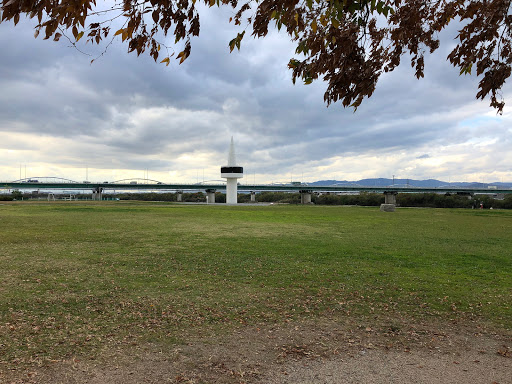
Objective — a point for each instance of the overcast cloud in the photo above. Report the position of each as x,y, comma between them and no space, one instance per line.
125,116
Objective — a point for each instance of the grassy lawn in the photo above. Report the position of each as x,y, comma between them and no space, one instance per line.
77,278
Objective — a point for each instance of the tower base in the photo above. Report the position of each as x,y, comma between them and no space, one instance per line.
231,191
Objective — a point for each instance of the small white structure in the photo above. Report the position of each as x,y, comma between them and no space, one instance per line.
231,173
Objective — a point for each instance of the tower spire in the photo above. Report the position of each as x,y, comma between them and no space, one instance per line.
231,156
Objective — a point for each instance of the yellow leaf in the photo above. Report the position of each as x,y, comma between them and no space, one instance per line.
119,31
166,61
297,18
323,20
79,36
314,26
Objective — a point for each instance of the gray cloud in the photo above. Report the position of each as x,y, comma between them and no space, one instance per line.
127,112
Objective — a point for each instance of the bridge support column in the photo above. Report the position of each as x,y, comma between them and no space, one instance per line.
179,196
389,201
97,194
305,196
253,197
210,196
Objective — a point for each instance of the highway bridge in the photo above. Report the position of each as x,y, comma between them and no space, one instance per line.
38,183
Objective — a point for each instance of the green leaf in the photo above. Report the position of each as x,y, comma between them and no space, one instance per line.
466,70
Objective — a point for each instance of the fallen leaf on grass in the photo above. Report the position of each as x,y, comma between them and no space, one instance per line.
504,351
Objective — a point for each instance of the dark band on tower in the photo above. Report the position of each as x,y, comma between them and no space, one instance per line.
232,170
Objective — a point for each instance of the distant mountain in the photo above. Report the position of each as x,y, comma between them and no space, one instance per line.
430,183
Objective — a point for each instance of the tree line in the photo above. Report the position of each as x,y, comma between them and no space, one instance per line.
426,200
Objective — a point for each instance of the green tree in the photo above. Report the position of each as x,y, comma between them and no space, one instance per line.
17,195
347,43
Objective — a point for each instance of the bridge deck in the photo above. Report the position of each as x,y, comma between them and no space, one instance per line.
257,188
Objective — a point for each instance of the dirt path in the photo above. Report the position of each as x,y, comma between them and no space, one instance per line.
306,352
378,367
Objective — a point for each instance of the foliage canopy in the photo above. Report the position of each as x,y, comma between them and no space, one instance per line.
347,43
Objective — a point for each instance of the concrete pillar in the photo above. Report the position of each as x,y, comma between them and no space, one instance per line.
305,196
390,197
253,197
179,196
231,191
389,201
97,194
210,196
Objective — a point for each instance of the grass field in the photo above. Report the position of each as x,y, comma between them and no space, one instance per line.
79,278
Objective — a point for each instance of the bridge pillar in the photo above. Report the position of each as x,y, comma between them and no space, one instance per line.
97,193
210,196
253,197
389,201
305,196
390,197
179,196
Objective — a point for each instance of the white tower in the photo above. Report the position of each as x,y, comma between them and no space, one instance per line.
231,173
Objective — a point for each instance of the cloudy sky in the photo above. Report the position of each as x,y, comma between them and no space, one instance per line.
126,117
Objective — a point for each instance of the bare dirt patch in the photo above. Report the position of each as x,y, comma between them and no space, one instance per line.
301,352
